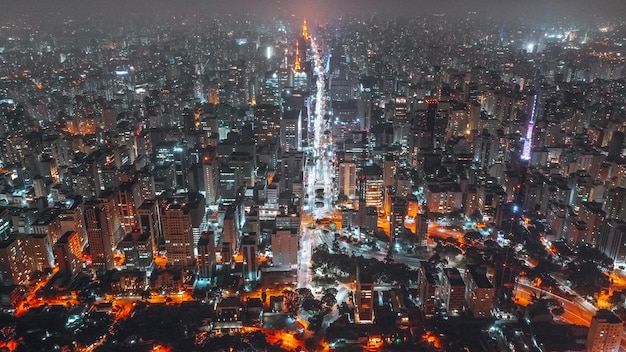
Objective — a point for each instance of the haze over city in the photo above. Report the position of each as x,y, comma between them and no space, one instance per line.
531,11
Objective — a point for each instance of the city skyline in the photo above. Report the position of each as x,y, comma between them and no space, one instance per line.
300,180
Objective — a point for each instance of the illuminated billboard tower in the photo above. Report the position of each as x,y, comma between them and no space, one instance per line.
305,31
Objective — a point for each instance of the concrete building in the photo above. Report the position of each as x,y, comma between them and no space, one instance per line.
453,291
149,217
347,179
177,232
605,332
68,253
364,298
443,197
99,235
285,248
206,255
427,290
137,249
612,241
40,249
371,187
249,249
14,264
479,292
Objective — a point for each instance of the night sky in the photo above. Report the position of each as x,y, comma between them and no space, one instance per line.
529,10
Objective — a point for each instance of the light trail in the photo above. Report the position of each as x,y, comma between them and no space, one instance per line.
319,168
319,171
528,143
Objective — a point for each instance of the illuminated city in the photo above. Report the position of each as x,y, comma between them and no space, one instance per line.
312,176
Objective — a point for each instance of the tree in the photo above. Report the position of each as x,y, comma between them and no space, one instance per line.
304,293
389,255
329,299
558,311
291,301
587,253
336,247
315,322
586,277
331,290
311,304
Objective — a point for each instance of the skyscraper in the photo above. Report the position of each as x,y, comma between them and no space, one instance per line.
206,255
250,259
129,199
615,204
68,253
177,232
99,235
150,222
347,179
371,187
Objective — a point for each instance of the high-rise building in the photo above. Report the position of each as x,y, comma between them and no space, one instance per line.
605,332
15,268
453,291
615,203
68,253
177,232
291,130
230,231
129,198
398,213
250,258
73,219
427,290
243,165
371,187
210,176
99,235
612,241
39,247
594,217
137,249
267,123
364,298
347,179
149,218
174,152
206,255
389,171
479,292
110,202
47,223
